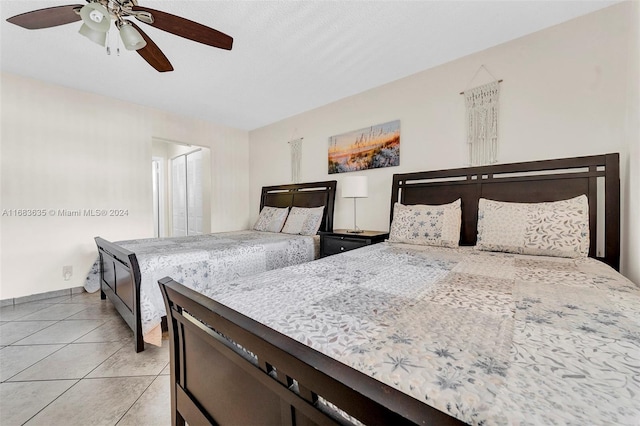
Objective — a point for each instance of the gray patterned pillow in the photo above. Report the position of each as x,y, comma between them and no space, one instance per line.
303,221
426,225
271,219
559,228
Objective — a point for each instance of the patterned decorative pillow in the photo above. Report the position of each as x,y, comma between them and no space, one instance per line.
559,228
303,221
271,219
427,225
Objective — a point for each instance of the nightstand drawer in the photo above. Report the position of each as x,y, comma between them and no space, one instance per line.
342,240
335,245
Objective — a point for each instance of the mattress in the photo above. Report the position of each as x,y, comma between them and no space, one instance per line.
489,338
202,261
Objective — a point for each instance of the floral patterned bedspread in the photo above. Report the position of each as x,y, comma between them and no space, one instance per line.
201,261
490,338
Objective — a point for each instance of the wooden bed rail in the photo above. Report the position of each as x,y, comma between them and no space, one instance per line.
274,380
120,282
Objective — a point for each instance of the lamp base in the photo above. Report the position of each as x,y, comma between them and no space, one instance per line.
355,231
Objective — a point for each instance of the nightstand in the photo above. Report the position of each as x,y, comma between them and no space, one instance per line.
341,240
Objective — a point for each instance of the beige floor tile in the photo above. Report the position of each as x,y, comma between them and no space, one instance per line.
61,332
166,370
84,298
54,300
71,362
93,402
14,359
11,332
96,311
14,312
115,330
126,362
45,363
21,401
153,408
58,311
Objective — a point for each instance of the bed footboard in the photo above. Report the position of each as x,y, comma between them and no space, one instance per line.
229,369
120,282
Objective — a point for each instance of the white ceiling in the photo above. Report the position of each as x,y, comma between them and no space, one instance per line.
288,56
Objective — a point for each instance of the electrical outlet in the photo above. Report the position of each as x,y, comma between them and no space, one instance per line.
67,272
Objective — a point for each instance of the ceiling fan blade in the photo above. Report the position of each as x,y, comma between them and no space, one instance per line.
188,29
152,53
45,18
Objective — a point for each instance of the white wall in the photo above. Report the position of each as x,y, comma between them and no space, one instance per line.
565,93
631,214
67,149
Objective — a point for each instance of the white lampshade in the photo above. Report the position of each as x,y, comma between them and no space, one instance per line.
96,16
354,187
131,38
93,35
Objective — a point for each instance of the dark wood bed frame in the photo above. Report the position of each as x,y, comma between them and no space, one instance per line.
528,182
120,272
214,382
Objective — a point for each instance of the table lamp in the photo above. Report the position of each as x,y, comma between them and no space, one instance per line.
354,187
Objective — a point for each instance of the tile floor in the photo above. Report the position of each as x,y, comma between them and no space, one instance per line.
71,361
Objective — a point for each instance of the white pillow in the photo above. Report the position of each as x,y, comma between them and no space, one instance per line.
559,228
303,221
271,219
437,225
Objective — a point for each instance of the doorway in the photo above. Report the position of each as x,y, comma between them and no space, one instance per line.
187,194
181,188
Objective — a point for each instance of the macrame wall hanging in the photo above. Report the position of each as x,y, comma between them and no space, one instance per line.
482,121
296,156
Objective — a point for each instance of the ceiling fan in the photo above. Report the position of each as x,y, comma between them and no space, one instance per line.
97,15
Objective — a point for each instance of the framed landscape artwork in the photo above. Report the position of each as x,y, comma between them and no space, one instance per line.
368,148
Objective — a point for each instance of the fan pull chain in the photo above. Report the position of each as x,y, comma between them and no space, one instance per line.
108,44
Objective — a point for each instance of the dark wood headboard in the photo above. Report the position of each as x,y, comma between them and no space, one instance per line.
313,194
526,182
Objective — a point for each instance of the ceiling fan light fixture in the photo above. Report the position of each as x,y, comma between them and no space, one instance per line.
131,38
96,17
145,17
98,37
